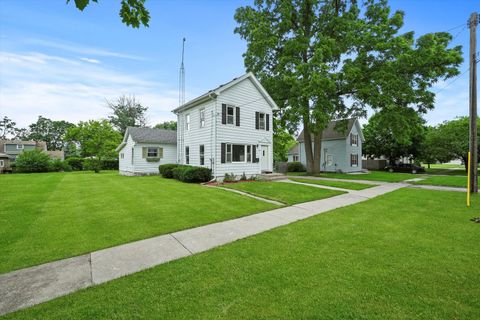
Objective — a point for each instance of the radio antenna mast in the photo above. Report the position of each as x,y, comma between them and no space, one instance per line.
181,94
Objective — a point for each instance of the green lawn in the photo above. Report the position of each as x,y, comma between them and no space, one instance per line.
449,172
410,254
287,193
372,175
447,181
50,216
445,166
336,184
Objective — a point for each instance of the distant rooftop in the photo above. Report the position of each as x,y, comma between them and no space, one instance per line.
153,135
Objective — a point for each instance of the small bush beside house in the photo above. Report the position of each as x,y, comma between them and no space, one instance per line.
295,167
32,161
76,163
185,173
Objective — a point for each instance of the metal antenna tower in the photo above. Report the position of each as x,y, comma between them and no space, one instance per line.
181,93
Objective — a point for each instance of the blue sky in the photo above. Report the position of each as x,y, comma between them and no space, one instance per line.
61,63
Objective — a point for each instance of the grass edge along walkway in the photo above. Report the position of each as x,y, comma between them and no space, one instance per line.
30,286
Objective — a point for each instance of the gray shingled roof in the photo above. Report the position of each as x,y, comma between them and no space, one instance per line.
151,135
294,149
333,133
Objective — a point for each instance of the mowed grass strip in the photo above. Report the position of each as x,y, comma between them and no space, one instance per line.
287,193
446,181
410,254
371,175
336,184
50,216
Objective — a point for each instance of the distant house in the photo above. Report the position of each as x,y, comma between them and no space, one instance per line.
228,129
341,149
10,149
144,149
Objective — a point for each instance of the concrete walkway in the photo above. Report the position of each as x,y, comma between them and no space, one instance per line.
437,188
377,183
30,286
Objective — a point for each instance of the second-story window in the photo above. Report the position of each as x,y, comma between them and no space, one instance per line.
261,121
20,146
187,121
354,139
230,115
202,118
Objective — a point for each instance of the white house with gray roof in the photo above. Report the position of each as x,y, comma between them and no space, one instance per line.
144,149
228,129
341,147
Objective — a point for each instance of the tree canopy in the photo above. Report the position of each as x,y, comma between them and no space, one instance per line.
330,59
170,125
52,132
127,112
132,12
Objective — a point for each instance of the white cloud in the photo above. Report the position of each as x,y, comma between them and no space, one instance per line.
33,84
90,60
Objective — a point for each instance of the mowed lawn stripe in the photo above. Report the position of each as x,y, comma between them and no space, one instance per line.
337,184
77,213
409,254
287,193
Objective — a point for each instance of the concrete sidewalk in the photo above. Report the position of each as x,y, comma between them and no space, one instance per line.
376,183
30,286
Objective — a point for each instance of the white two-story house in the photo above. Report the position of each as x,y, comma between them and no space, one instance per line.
228,129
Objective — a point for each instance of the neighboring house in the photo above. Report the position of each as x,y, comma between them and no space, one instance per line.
228,129
341,149
10,149
144,149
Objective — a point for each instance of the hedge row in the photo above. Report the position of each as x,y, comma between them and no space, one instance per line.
79,164
185,173
295,167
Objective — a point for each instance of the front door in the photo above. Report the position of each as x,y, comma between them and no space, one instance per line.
264,161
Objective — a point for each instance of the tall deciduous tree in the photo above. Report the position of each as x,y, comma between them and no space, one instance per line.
132,12
328,59
394,132
9,130
126,112
96,139
170,125
51,131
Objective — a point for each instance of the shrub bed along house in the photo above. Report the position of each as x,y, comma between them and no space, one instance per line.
38,161
295,167
185,173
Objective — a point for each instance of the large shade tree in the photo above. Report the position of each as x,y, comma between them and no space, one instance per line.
329,59
127,111
51,131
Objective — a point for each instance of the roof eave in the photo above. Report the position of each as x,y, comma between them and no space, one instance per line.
195,102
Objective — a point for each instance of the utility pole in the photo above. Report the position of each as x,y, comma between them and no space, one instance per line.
472,24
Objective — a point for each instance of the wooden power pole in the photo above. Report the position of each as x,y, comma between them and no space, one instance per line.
472,24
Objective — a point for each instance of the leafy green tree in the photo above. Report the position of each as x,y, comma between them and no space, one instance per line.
132,12
394,132
32,161
9,130
282,142
96,139
169,125
127,112
52,132
329,59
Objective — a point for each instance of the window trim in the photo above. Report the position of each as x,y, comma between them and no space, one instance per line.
354,140
296,158
157,151
228,153
202,154
2,163
20,147
187,121
187,154
327,161
227,115
202,118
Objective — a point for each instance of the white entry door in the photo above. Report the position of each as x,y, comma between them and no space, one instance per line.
264,161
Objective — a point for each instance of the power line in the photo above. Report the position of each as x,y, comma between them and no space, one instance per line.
460,25
452,81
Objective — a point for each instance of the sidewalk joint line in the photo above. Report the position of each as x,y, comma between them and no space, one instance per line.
191,253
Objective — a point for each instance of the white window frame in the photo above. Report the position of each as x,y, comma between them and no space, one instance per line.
202,154
262,123
187,154
352,157
244,153
354,140
329,160
232,116
2,163
296,158
227,153
202,118
187,122
20,147
156,152
249,153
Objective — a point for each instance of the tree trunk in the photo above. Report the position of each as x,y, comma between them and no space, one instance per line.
465,162
428,164
317,152
307,138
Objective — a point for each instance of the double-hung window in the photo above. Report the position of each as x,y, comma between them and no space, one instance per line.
187,155
261,121
229,152
295,158
241,153
230,115
249,153
202,118
354,139
202,154
187,122
354,160
152,152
